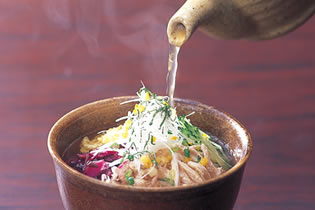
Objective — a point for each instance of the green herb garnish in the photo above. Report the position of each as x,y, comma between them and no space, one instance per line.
130,180
187,152
185,142
192,134
130,157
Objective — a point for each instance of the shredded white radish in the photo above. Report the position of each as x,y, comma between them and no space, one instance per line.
153,125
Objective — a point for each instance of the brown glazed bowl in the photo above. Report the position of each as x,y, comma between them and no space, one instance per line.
79,191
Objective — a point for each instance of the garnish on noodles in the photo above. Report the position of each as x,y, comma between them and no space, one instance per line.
153,147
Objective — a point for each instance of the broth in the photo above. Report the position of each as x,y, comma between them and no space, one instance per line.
172,70
73,150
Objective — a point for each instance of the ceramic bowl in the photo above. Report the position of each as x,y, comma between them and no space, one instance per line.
79,191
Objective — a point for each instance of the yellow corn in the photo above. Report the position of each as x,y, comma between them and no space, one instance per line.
204,161
127,124
141,108
154,139
147,96
138,108
204,136
126,128
135,110
187,159
174,138
146,161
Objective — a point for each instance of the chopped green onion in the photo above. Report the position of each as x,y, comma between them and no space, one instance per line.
185,142
187,152
131,157
130,180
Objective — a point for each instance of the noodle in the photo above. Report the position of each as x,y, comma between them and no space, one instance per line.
153,148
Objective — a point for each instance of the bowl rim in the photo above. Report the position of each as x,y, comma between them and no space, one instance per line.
57,158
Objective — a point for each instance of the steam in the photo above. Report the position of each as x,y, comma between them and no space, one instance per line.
58,12
130,26
88,24
146,26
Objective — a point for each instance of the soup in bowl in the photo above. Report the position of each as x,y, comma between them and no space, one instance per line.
81,191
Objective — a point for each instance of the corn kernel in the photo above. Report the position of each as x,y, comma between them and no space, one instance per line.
141,108
146,161
204,161
135,110
174,138
127,124
154,139
165,103
147,96
138,109
187,159
126,128
204,136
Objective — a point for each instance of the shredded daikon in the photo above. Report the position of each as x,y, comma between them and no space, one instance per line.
152,126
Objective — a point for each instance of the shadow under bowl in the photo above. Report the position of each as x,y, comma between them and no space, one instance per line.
79,191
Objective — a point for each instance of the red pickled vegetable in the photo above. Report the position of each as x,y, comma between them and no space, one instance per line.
95,168
108,156
94,164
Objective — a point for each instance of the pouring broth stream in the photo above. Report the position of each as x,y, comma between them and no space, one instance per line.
172,70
